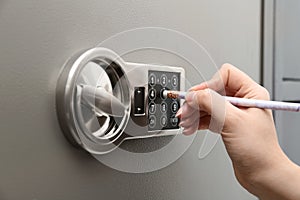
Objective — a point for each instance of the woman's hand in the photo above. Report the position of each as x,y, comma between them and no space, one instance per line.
249,134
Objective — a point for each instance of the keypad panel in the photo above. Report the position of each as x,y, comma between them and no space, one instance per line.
161,111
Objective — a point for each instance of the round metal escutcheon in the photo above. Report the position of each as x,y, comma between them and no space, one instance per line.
93,100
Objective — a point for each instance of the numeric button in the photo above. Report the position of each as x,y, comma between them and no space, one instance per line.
174,121
163,80
152,79
152,121
152,108
152,94
174,106
174,81
163,107
163,121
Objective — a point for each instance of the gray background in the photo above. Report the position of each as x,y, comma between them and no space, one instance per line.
286,71
37,37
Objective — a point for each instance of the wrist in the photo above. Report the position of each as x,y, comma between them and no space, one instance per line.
280,180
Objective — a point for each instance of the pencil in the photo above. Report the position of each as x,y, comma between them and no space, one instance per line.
242,102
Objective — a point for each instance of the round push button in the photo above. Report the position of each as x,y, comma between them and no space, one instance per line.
152,121
163,80
163,121
152,94
174,81
163,107
152,108
174,106
174,121
152,79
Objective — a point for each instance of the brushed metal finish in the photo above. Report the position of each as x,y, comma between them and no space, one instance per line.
69,100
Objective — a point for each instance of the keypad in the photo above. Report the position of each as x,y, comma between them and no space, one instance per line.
161,111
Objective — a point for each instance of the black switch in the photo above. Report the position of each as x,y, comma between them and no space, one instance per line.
139,101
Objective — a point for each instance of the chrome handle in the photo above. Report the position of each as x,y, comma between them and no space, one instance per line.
102,101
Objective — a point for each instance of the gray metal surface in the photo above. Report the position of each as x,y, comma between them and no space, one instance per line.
268,46
36,39
286,78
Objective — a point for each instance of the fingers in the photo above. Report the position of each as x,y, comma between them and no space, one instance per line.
209,106
229,80
201,86
186,111
200,124
206,109
200,105
232,78
191,124
200,100
188,121
190,117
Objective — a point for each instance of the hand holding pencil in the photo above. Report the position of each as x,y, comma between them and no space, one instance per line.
249,134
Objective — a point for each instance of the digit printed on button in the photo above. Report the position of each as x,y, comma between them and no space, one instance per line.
163,107
152,121
152,94
163,80
174,81
152,108
163,121
152,79
174,106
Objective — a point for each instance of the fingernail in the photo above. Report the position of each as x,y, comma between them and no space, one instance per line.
185,132
179,112
201,86
180,124
193,88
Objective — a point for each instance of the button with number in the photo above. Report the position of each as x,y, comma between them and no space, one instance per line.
152,79
163,107
163,121
163,80
174,81
152,121
152,108
174,106
174,121
152,94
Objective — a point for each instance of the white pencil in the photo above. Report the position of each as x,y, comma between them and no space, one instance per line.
254,103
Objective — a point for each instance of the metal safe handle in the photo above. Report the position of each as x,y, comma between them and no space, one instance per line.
102,101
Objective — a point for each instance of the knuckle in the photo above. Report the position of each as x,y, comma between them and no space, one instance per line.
204,99
264,93
199,97
226,67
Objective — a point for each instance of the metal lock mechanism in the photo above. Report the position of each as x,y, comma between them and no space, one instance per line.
103,100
